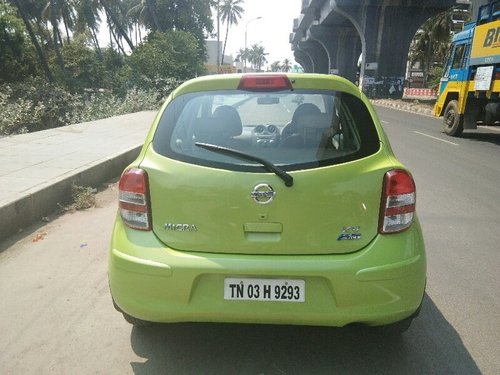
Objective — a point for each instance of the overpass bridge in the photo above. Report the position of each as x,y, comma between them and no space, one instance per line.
330,35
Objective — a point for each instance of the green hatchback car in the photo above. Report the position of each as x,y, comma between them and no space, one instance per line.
267,198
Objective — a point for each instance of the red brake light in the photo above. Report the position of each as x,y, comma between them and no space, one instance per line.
134,199
264,82
398,202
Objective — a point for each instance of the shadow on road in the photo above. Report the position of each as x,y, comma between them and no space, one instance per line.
431,346
483,136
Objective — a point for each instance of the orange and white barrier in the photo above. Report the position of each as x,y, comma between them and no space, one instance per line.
410,93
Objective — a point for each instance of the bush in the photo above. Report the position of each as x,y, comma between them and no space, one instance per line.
103,105
51,106
34,106
82,198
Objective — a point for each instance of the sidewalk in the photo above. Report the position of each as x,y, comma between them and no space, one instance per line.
37,169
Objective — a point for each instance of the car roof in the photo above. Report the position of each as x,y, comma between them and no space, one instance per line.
309,81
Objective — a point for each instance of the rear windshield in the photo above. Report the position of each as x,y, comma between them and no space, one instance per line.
293,129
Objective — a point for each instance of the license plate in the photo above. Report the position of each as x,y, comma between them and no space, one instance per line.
277,290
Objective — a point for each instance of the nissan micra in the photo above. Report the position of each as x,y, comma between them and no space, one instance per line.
267,198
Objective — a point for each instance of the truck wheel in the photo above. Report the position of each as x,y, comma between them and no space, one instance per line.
453,123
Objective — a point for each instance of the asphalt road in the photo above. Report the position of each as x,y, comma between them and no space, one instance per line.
56,315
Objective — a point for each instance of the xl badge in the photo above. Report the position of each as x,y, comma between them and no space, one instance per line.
263,193
349,234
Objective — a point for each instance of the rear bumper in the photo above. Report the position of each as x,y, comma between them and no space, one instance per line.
381,284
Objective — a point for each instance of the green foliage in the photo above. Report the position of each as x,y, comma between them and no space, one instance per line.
434,78
82,197
53,71
163,60
16,54
33,107
102,105
85,69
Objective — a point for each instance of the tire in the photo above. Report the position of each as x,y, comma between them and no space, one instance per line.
398,328
453,122
130,319
136,321
395,329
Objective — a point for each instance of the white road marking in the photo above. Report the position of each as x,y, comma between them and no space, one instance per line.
437,139
384,122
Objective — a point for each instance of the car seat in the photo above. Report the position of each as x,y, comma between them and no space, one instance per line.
302,110
219,129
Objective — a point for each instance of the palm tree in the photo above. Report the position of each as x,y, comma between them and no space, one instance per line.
257,56
231,11
145,11
34,40
276,66
88,18
243,54
53,12
286,65
116,13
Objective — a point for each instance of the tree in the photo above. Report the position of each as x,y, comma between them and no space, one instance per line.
431,42
164,57
231,11
41,54
88,18
146,12
286,65
15,51
52,12
257,56
116,14
276,66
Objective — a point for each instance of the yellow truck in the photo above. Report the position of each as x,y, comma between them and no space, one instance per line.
470,86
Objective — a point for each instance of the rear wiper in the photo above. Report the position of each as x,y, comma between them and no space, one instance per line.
268,165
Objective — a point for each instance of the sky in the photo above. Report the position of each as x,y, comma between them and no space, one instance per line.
271,31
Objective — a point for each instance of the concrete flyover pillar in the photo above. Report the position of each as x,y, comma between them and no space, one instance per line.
304,60
342,46
317,54
332,34
386,28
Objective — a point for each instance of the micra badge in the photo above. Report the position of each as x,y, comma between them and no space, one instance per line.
349,234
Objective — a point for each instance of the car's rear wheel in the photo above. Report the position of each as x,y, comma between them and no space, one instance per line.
398,328
395,329
136,321
453,122
130,319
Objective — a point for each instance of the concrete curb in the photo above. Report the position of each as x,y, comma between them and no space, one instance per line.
418,108
33,207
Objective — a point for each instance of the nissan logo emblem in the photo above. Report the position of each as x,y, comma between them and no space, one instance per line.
263,193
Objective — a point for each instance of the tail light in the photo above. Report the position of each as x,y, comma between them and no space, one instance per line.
265,82
398,202
134,199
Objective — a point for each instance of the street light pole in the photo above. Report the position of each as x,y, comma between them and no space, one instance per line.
246,32
218,37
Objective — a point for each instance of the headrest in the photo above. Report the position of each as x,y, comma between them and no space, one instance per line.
229,119
314,121
303,110
224,123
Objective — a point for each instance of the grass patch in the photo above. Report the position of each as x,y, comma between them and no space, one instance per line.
82,197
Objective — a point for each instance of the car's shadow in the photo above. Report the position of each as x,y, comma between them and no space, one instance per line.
431,346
